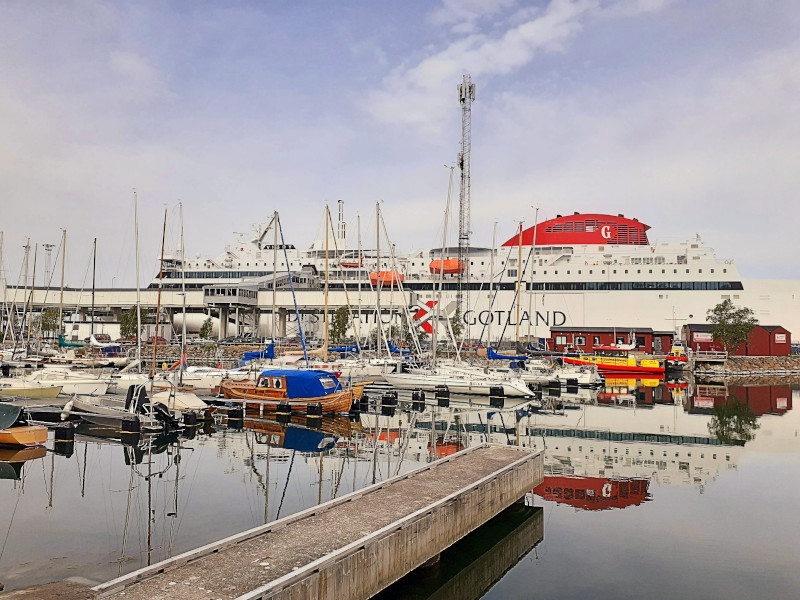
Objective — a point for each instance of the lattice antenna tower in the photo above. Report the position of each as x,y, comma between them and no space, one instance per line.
466,96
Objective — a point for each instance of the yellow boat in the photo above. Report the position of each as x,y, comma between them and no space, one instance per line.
12,434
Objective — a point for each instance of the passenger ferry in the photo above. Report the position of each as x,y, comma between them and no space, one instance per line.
579,269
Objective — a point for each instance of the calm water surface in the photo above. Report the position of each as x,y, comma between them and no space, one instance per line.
651,490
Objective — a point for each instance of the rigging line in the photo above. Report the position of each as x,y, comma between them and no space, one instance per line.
291,463
294,298
494,296
346,295
13,513
516,294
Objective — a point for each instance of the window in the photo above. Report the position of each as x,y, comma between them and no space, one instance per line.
327,383
561,340
596,340
277,383
264,382
580,340
512,272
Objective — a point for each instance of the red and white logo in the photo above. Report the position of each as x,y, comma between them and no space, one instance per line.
425,313
607,232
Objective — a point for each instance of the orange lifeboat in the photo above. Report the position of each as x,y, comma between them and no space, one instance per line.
452,266
352,262
386,278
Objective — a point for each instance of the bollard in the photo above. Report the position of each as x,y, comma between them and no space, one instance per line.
65,433
389,404
190,419
442,396
131,425
418,401
497,397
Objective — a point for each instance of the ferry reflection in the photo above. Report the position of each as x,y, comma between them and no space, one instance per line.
594,493
469,568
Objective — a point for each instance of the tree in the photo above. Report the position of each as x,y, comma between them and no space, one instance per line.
128,323
456,324
733,422
339,323
49,320
731,325
206,328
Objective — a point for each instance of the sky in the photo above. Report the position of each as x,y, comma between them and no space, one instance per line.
683,114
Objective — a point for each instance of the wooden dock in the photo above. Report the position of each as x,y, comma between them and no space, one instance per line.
351,547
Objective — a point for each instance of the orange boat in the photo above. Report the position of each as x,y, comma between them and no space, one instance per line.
298,388
452,266
15,433
389,278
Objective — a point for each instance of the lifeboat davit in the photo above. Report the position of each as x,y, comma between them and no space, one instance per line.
386,278
452,266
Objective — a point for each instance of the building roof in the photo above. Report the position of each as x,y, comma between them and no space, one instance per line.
620,330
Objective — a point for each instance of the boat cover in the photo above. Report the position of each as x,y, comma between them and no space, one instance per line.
268,352
397,350
8,415
495,356
306,383
344,349
307,440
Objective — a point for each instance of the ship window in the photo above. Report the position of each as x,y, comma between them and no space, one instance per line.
649,270
699,270
327,383
264,382
724,270
603,271
556,272
712,270
591,271
277,383
580,340
567,272
687,270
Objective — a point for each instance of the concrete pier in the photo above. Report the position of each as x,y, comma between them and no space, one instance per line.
351,547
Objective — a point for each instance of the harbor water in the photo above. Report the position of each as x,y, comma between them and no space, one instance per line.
684,489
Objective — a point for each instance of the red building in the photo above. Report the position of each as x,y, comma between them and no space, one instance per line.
764,340
583,339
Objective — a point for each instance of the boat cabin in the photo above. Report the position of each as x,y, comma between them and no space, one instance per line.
296,383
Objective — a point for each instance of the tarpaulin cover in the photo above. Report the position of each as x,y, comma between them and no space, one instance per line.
307,440
268,352
397,350
306,384
494,355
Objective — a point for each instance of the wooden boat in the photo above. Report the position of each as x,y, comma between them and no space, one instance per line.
614,359
14,434
298,388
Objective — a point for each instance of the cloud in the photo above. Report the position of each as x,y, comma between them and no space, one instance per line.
421,95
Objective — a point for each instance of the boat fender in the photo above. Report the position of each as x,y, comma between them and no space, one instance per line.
66,410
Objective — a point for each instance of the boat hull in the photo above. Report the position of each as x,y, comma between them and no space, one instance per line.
252,396
50,391
611,368
23,435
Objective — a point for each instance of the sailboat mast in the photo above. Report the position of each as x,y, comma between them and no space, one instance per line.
63,258
30,305
531,305
438,301
519,281
158,304
274,273
183,292
378,273
491,279
138,298
94,273
360,273
327,259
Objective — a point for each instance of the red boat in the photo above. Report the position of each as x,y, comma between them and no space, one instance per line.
594,493
616,359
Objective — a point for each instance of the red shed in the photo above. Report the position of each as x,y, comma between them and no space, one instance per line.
764,340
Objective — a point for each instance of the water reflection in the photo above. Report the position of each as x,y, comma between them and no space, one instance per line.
469,568
109,504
